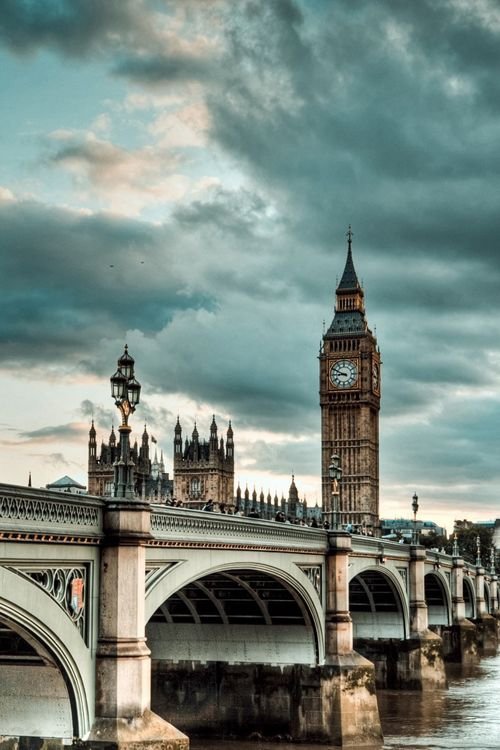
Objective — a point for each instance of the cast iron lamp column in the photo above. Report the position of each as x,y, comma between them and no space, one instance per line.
335,474
126,391
494,582
123,716
414,506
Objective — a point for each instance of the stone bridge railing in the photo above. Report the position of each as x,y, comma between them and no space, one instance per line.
28,514
190,528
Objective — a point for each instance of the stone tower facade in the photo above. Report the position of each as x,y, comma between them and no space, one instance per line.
150,479
203,470
349,388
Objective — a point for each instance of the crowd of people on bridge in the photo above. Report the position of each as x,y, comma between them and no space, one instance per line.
212,506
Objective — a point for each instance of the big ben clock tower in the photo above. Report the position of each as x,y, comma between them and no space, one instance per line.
349,389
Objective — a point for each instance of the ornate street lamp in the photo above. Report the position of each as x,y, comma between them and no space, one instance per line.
479,563
492,560
414,506
126,391
335,474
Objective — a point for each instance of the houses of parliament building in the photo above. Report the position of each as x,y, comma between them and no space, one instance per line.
349,396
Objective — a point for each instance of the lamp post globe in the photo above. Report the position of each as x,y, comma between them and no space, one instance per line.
125,391
414,506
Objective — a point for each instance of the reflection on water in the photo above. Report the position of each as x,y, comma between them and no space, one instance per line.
464,717
467,715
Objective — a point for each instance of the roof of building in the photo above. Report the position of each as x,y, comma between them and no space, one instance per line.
349,278
65,482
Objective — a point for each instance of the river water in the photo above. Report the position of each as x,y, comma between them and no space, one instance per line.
464,717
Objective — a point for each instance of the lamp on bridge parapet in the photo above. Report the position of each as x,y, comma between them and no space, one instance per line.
414,506
492,560
456,551
479,564
126,391
335,474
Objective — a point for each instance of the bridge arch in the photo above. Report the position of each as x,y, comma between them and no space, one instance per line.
62,662
469,598
268,592
378,604
438,599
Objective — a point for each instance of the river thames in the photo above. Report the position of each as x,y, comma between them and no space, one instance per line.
465,716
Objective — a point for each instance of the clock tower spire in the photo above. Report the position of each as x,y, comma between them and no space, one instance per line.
350,403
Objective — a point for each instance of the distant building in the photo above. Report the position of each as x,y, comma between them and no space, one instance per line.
292,508
151,481
66,484
404,527
203,470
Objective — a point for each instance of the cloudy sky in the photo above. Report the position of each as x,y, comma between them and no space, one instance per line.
180,176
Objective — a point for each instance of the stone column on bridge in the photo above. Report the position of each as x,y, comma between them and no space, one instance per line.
457,590
424,662
123,671
481,610
494,594
338,625
349,704
485,623
463,645
419,621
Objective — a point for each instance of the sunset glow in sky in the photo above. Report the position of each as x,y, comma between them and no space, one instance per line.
180,176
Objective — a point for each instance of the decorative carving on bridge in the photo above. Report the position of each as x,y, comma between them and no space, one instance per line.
155,573
404,575
67,585
74,513
314,573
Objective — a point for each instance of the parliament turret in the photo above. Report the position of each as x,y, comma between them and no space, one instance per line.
204,470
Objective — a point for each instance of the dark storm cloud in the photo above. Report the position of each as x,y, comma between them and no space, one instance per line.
102,417
72,284
53,433
69,280
365,122
72,27
288,455
460,443
162,69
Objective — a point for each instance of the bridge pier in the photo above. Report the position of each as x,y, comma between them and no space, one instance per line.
123,718
348,699
422,665
485,623
459,639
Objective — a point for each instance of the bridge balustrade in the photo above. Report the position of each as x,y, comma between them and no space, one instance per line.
196,528
45,516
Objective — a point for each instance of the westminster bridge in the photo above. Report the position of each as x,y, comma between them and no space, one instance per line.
221,624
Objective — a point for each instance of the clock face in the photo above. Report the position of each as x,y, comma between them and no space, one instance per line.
375,377
343,373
